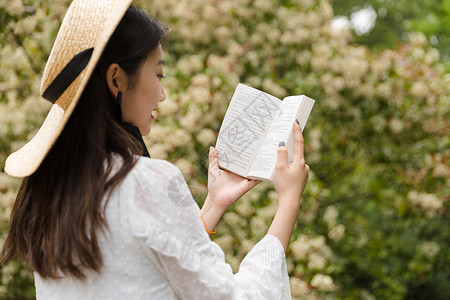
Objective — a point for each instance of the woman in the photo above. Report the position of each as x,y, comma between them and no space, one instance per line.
97,219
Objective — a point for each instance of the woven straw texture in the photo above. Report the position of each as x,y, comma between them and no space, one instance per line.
87,24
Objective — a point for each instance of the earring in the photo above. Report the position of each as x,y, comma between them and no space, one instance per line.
119,98
116,107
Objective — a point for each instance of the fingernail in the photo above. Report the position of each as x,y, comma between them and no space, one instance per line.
281,144
298,122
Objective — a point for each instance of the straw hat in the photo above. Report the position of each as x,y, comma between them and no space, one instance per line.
83,35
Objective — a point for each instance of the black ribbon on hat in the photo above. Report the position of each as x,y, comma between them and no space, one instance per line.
67,75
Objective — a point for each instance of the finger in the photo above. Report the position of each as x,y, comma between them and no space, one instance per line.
248,184
298,143
213,158
253,183
282,156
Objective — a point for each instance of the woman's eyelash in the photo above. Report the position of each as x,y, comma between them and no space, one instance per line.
161,76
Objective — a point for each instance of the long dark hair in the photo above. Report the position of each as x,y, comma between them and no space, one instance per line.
58,211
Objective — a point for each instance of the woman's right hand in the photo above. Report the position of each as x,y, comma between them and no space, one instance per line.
290,178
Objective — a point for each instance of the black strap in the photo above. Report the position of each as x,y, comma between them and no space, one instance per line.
136,134
65,78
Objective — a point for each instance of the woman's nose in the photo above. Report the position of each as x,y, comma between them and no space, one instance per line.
163,94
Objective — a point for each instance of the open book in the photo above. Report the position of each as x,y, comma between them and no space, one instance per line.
254,124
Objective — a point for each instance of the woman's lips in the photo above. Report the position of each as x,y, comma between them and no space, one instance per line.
152,116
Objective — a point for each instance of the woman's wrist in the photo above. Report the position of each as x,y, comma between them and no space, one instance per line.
211,214
290,201
283,223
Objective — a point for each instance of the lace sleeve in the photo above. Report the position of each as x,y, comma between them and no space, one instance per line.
165,218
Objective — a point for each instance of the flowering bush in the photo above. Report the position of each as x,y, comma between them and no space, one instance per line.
374,222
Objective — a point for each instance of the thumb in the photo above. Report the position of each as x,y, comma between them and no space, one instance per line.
213,158
282,156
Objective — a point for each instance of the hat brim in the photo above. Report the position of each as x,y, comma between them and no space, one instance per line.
27,159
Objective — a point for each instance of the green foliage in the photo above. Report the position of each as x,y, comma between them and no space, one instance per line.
396,18
374,222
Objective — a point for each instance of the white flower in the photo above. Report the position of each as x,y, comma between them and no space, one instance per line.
429,249
432,56
430,203
441,170
330,216
318,242
199,94
190,64
323,283
206,136
337,232
258,226
267,212
300,247
316,261
222,64
201,80
210,13
15,7
419,89
244,208
288,38
25,26
158,132
298,287
273,88
223,33
225,242
190,120
322,49
418,54
380,67
319,63
326,10
167,108
418,39
303,57
314,140
396,125
263,5
378,123
185,166
232,219
236,50
158,151
384,90
180,137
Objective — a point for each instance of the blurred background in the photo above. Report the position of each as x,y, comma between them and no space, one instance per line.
375,221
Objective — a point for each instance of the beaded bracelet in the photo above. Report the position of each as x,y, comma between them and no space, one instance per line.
206,227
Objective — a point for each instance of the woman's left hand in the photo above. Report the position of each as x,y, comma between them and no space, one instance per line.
224,187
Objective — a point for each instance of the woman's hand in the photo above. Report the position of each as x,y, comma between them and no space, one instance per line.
290,178
224,189
289,181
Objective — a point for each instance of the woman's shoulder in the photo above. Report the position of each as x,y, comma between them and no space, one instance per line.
157,173
157,166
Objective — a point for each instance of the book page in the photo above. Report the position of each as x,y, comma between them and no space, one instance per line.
244,127
279,130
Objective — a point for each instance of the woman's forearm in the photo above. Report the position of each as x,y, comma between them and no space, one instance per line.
284,221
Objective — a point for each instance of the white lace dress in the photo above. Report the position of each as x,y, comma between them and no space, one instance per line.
157,248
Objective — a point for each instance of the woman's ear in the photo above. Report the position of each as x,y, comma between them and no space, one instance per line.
116,79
